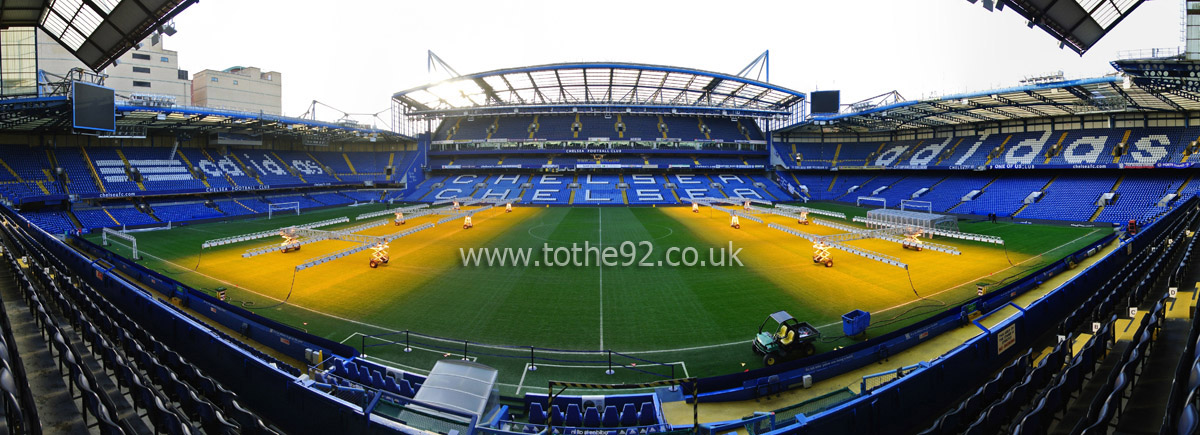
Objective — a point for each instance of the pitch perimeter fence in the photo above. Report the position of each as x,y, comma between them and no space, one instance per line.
609,362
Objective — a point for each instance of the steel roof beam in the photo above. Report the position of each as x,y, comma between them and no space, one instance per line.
991,109
1021,106
1047,101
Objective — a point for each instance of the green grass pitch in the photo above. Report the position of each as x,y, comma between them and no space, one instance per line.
697,320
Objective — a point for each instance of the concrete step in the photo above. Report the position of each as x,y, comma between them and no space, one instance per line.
55,408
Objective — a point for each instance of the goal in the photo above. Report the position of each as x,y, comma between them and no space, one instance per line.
282,207
871,199
108,232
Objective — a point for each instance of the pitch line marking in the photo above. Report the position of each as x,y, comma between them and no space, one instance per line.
600,228
643,352
521,383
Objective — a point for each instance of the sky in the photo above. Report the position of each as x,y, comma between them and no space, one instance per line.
354,54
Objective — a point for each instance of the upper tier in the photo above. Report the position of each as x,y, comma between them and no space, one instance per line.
1092,148
591,127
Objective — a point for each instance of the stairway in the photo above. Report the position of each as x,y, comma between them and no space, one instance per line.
1057,146
192,169
496,125
110,216
998,153
535,126
449,134
11,171
92,169
246,169
56,411
74,219
1121,146
289,168
324,167
391,161
349,164
982,190
228,179
124,160
1101,208
951,153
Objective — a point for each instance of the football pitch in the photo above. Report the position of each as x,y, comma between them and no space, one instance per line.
657,320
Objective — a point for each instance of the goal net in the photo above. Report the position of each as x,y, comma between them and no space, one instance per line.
871,200
912,204
283,207
108,232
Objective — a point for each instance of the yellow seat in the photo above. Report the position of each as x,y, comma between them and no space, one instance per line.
787,339
782,332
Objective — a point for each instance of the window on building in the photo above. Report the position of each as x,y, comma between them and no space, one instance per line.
235,82
138,84
18,71
141,56
269,77
214,79
141,69
164,59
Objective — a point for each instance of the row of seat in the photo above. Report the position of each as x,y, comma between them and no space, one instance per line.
1116,391
1183,405
1062,385
173,392
71,366
1046,389
364,376
590,417
955,420
20,411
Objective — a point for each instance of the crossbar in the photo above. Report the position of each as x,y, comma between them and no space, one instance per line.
108,231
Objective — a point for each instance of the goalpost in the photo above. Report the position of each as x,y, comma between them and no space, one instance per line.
117,234
876,199
906,204
283,206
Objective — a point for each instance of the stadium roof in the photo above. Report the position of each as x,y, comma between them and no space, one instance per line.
95,31
600,84
1109,94
1075,24
54,114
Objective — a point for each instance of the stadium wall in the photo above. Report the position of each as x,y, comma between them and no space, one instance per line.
916,399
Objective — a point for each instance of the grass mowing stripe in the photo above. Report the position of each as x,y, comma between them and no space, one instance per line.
698,315
600,242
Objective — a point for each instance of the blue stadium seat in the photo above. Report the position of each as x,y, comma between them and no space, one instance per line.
647,415
611,417
591,417
1189,420
573,418
629,415
536,414
555,416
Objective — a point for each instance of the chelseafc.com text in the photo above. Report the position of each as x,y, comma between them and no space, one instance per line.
626,254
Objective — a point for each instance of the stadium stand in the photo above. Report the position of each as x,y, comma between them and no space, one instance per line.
184,211
599,189
1005,195
582,127
80,177
1069,197
54,222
